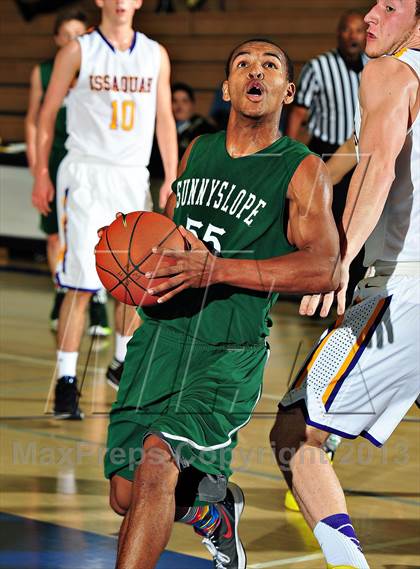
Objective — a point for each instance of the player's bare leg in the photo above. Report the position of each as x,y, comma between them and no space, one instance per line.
150,517
126,319
126,323
306,467
72,320
310,475
211,522
53,250
71,324
120,499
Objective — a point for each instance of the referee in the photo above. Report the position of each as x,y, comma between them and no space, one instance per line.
325,104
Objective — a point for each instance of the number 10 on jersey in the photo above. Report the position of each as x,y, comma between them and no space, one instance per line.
122,115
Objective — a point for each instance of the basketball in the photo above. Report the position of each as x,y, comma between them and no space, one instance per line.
124,255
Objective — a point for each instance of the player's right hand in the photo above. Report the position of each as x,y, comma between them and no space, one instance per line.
42,193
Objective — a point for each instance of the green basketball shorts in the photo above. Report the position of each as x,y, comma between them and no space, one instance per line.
49,223
194,395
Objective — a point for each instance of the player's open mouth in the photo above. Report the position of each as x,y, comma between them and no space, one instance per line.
255,91
371,36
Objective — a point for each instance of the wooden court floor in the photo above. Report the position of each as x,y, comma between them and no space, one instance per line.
52,471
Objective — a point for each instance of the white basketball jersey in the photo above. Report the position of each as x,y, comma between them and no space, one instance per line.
396,238
111,111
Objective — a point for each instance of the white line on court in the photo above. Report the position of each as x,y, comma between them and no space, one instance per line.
313,556
42,361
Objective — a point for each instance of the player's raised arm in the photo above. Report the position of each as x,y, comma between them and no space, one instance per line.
31,118
66,66
166,128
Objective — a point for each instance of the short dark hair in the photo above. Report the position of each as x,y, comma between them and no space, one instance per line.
186,88
290,70
67,16
343,18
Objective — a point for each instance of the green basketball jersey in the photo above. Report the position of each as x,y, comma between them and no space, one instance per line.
60,131
236,206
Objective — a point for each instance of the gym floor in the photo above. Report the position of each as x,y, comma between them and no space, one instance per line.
54,499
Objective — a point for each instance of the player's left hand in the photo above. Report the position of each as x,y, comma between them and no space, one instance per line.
105,227
310,302
342,289
193,268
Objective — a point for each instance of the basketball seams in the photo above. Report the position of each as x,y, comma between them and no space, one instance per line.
159,244
113,254
116,265
131,239
120,283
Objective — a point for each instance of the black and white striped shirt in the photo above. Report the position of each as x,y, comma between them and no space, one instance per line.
329,89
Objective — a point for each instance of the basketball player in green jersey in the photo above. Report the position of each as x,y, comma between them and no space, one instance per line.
68,26
250,204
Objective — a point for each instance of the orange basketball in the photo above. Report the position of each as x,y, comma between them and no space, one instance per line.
124,255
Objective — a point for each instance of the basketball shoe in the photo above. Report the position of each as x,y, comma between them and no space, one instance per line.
114,373
330,447
66,403
224,543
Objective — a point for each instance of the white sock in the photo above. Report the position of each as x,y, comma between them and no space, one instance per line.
121,346
338,549
66,363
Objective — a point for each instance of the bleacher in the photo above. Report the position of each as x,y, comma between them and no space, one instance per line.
198,42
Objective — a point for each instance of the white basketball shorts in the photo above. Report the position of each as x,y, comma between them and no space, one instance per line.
363,374
89,194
